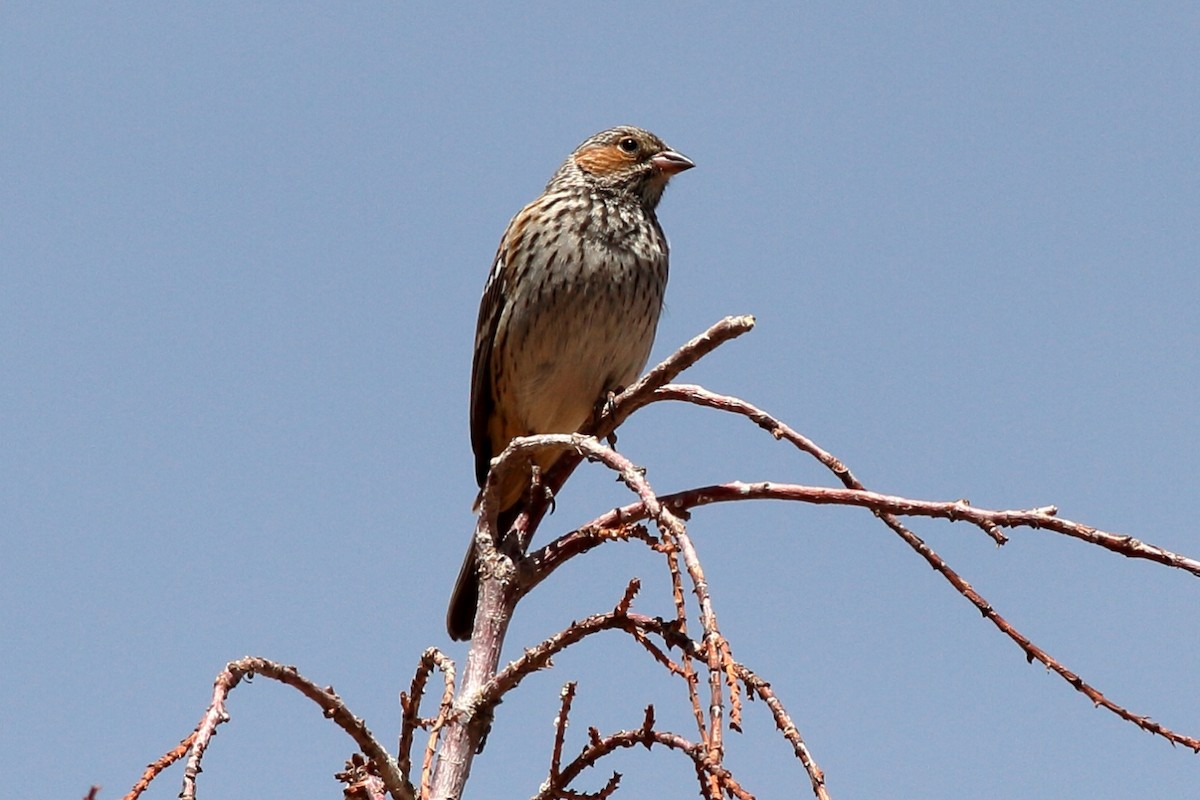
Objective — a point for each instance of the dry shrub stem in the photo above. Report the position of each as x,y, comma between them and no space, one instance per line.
463,717
332,706
410,706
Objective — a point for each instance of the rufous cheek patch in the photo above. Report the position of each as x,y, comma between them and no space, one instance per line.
603,159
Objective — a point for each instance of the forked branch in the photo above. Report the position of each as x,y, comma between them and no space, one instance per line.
462,719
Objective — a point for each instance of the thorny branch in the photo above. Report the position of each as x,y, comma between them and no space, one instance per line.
889,509
332,706
633,398
463,718
410,706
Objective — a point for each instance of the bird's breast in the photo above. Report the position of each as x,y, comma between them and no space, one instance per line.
580,322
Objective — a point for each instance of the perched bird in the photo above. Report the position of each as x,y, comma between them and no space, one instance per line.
568,313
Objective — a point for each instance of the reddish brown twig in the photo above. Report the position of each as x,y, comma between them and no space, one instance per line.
626,602
647,736
674,533
886,505
329,702
675,540
539,656
642,392
410,717
410,706
698,395
989,522
214,716
634,398
498,594
153,770
783,721
360,780
640,627
560,734
540,564
1033,652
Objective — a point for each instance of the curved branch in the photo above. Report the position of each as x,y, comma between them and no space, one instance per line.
783,721
698,395
675,533
642,392
1034,518
167,759
646,736
639,626
635,397
539,657
885,505
329,702
410,706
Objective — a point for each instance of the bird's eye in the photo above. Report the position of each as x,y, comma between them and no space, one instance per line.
628,145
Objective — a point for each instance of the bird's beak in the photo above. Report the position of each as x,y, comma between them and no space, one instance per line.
669,162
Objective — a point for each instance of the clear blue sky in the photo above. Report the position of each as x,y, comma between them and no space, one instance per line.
241,251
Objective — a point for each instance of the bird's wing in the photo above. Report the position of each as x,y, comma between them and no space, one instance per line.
483,402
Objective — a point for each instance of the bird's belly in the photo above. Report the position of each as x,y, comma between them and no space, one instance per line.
583,342
557,393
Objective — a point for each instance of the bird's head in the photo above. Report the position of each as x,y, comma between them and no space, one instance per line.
624,159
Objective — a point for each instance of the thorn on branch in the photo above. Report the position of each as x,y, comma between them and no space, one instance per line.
631,591
610,788
594,736
648,727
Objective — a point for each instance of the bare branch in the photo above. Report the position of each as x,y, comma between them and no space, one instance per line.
641,393
360,780
886,505
674,533
646,736
330,704
883,504
634,398
540,564
410,703
462,722
639,626
153,770
783,721
560,734
698,395
539,657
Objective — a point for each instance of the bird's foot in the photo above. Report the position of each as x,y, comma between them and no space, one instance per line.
536,485
605,407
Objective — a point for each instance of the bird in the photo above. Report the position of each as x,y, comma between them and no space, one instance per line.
569,312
